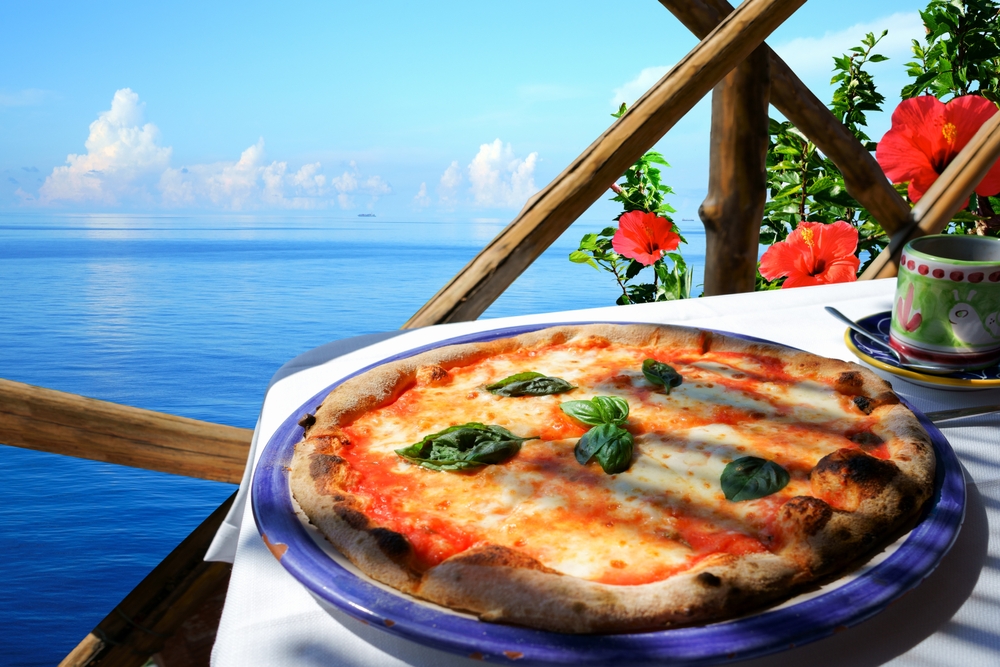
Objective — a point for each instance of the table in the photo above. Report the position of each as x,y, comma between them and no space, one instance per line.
952,618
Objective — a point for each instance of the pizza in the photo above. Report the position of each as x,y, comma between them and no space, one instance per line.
611,478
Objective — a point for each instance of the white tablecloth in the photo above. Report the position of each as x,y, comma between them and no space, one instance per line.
952,618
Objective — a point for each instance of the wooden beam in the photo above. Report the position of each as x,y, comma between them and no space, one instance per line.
62,423
149,615
551,211
862,175
737,182
946,196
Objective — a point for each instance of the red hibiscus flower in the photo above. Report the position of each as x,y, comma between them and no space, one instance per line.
644,237
814,254
925,137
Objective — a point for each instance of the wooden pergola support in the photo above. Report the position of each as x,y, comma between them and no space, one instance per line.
62,423
737,182
550,212
946,197
862,175
148,616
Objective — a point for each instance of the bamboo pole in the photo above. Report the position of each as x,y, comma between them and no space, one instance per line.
62,423
154,610
946,196
551,211
737,183
862,175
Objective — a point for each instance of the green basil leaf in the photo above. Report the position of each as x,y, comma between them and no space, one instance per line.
529,383
661,374
613,409
616,455
751,477
463,447
582,411
611,445
598,410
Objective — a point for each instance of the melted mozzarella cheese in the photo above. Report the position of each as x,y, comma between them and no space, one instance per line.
663,513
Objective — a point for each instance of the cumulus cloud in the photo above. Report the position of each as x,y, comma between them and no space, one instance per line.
813,56
125,163
422,199
637,87
122,158
499,179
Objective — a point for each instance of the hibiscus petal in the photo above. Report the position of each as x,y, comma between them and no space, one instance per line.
915,147
780,260
836,240
967,114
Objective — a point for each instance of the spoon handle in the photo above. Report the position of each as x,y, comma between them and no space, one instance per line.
867,334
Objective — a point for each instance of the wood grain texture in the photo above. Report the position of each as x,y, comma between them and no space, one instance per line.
946,197
551,211
737,179
862,175
62,423
154,610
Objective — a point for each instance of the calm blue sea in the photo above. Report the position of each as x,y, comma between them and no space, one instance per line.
192,316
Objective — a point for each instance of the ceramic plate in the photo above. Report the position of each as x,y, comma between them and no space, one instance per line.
878,324
334,582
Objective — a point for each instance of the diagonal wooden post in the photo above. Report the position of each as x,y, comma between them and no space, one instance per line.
148,616
862,175
551,211
737,176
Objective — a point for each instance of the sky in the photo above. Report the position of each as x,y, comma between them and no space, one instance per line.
434,110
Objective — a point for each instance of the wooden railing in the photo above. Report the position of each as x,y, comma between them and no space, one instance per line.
746,76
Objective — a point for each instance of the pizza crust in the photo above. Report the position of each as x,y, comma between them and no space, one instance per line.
857,499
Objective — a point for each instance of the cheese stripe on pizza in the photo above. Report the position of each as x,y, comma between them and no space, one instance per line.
610,478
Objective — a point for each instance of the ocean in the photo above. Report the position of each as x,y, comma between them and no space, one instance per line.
192,315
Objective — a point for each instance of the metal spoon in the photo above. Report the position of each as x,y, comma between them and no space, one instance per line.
903,361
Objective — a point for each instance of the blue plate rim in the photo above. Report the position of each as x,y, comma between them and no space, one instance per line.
744,638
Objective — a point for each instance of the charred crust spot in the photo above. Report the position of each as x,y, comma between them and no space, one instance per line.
808,513
866,439
433,375
352,517
393,544
850,382
864,404
324,466
853,468
907,504
709,579
307,420
495,555
704,341
578,607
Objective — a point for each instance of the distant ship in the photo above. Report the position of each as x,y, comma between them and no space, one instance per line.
366,215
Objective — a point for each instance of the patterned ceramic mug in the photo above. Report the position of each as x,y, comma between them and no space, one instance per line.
947,305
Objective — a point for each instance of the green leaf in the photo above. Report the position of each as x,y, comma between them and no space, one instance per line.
529,383
463,447
598,410
661,374
611,445
751,477
581,257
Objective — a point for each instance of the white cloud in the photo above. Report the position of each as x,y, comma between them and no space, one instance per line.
637,87
24,98
813,56
122,158
448,185
422,199
499,179
250,183
125,163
